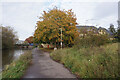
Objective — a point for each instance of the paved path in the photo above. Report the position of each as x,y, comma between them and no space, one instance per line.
44,67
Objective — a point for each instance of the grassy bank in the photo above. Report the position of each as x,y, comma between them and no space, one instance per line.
17,68
46,49
96,62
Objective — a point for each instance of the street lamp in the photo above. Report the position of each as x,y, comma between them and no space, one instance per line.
61,37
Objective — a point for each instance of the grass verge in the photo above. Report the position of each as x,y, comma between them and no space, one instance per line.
96,62
17,68
47,49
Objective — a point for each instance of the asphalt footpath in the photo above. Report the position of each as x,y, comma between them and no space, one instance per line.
43,66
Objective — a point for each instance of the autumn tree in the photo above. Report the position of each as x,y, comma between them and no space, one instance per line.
48,28
29,39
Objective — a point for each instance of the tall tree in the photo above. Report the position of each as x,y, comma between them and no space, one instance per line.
118,34
48,28
9,37
112,29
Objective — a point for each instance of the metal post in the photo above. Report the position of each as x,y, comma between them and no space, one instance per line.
61,38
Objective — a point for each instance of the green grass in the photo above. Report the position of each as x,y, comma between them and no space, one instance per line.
17,68
96,62
47,49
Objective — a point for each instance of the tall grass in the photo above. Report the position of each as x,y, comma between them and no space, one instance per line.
94,62
17,68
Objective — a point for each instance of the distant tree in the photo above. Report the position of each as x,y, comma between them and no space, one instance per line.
48,28
9,37
118,34
112,29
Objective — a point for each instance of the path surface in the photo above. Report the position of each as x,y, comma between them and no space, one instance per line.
44,67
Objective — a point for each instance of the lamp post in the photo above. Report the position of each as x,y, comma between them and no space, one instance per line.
61,38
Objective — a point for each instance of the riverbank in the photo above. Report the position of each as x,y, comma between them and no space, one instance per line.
17,68
10,55
96,62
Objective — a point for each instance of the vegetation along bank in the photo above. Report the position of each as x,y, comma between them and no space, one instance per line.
17,68
94,62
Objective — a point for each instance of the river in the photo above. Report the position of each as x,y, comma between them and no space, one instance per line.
10,55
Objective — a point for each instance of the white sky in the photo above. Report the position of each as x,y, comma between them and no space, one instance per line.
22,15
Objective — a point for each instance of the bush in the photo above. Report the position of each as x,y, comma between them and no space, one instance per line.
90,41
94,62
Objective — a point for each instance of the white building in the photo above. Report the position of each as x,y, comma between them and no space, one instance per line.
20,42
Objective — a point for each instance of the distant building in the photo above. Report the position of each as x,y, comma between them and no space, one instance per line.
104,31
95,30
83,30
88,28
20,42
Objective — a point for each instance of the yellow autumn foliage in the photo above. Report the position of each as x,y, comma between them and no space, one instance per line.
48,28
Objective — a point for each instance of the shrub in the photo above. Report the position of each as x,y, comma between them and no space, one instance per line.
94,62
90,41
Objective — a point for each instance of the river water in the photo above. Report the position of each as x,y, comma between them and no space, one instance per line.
10,55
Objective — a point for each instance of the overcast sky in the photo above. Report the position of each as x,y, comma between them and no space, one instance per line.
23,15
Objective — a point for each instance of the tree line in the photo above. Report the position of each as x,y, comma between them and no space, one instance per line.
48,28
